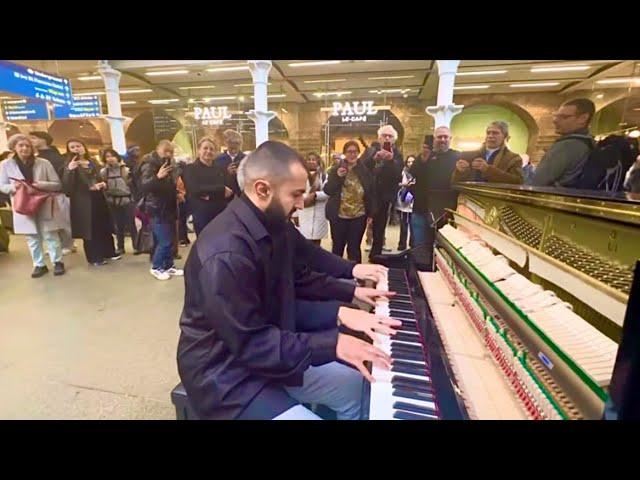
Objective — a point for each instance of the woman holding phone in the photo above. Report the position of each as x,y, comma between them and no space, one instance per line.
350,187
90,216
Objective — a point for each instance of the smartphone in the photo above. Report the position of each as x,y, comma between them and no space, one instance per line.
387,146
343,163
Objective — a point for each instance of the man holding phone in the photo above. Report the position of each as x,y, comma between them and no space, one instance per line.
386,163
158,187
230,159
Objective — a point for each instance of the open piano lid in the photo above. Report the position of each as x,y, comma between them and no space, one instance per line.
624,390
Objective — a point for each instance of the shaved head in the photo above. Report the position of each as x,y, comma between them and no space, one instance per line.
271,161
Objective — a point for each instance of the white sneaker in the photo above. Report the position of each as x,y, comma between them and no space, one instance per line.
176,272
160,274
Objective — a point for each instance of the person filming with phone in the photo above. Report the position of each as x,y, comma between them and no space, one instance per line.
160,201
230,159
351,190
386,164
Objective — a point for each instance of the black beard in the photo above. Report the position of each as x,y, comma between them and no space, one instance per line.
276,217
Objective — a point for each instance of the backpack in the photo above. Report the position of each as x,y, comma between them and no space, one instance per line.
606,165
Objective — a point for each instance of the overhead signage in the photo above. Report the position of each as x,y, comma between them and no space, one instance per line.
28,82
16,110
82,107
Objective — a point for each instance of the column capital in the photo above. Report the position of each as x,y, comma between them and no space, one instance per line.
443,114
107,72
260,70
257,115
446,67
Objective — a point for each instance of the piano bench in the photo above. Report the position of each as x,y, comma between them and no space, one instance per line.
184,411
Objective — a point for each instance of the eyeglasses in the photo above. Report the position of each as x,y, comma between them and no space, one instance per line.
352,151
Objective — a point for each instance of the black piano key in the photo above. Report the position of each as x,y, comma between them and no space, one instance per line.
405,363
409,326
406,337
399,314
413,395
399,381
409,370
409,407
403,306
409,354
404,297
404,346
400,415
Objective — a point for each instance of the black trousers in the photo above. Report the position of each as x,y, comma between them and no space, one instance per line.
122,219
405,221
379,226
183,214
100,245
349,233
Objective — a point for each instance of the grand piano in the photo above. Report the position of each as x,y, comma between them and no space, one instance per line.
518,312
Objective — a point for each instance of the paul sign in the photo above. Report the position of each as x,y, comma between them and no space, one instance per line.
353,111
211,115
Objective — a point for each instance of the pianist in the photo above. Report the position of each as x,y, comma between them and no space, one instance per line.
241,353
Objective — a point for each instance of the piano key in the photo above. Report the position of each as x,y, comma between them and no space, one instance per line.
407,337
401,314
399,381
400,415
408,347
414,408
403,368
412,394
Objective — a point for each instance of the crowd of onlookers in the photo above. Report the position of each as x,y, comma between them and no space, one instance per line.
150,197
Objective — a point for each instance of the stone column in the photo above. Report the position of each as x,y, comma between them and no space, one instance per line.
260,113
445,110
114,116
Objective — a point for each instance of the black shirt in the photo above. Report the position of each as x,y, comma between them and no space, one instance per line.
201,180
237,337
433,181
53,155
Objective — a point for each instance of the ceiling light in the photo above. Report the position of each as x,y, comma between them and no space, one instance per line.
312,64
274,95
601,95
89,78
87,94
634,134
164,100
324,94
166,72
568,68
284,110
534,84
246,84
395,77
209,99
619,80
391,90
137,90
326,81
196,87
481,72
3,98
128,102
228,69
471,87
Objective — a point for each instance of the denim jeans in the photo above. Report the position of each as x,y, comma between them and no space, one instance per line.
335,385
52,239
163,234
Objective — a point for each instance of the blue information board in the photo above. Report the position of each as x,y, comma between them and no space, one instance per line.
24,110
83,107
31,83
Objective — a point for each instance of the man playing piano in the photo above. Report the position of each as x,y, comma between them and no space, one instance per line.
247,350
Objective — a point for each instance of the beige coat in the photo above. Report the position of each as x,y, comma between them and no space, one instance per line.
51,216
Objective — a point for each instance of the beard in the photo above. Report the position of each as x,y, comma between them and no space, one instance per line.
277,218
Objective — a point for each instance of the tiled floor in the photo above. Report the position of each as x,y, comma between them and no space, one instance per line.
96,343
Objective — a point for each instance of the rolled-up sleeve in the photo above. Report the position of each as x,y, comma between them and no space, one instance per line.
235,314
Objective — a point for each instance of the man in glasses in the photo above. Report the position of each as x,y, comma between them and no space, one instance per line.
562,165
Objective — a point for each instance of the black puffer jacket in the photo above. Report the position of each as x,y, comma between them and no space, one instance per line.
160,195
